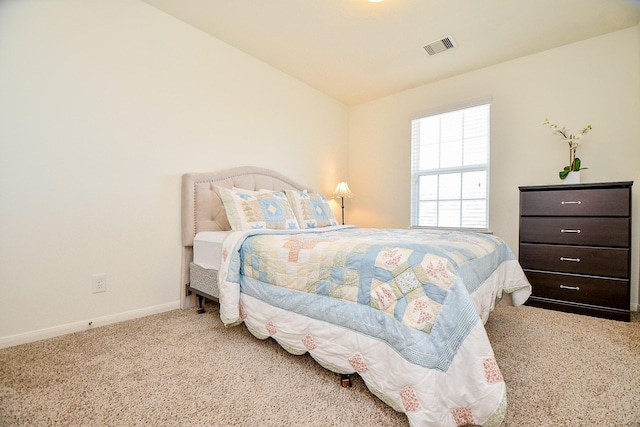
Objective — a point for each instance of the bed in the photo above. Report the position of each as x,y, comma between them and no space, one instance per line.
403,309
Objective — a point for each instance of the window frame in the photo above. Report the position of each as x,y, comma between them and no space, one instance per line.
416,174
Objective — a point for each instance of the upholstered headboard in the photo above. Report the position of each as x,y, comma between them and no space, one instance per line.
202,208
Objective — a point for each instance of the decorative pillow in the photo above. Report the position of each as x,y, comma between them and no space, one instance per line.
311,209
245,191
252,192
261,210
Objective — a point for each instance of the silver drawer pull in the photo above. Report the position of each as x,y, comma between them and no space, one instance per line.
562,258
571,203
572,288
568,230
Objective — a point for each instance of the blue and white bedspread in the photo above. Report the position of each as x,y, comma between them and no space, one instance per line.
403,308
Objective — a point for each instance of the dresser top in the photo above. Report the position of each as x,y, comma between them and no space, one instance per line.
619,184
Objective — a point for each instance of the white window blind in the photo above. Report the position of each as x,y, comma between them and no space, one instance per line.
450,169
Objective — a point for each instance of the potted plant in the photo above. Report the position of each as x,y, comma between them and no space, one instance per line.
573,140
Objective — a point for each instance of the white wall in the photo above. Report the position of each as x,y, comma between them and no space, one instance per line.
103,105
595,82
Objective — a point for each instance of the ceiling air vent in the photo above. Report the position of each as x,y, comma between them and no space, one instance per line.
440,45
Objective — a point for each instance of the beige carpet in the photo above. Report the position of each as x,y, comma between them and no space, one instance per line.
183,369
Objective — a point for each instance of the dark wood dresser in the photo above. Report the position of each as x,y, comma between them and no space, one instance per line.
575,247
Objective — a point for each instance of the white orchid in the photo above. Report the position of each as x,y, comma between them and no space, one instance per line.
573,140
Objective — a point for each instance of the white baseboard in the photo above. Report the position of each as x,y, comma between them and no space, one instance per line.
82,325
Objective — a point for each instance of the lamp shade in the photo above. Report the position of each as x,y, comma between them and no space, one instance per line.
342,190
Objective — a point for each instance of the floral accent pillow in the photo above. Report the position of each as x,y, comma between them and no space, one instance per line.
311,209
268,209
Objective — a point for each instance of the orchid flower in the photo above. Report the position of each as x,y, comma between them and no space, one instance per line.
573,140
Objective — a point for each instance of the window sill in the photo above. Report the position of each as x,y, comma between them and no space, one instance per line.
474,230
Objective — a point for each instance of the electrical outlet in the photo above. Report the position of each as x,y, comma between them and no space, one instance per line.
99,283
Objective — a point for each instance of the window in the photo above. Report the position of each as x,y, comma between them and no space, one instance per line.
450,169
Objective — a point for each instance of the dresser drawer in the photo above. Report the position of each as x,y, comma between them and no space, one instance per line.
587,202
614,232
584,290
608,262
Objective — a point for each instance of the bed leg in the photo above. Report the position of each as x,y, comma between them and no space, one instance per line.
200,304
345,380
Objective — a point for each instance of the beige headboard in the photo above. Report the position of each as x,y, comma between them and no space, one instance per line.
202,208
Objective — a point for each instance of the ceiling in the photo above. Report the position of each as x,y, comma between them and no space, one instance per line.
357,51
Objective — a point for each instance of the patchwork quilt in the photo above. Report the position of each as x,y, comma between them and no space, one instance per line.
422,296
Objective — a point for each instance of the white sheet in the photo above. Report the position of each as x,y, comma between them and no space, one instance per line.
207,248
